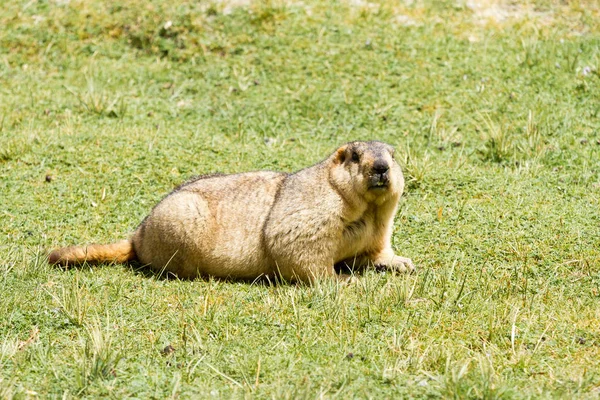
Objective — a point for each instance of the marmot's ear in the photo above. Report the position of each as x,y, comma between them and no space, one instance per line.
340,154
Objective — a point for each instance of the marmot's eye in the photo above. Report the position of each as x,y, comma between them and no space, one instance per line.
355,157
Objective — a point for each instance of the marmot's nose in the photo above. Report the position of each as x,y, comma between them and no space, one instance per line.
380,166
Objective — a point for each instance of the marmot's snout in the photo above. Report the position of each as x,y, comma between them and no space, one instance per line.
380,177
381,166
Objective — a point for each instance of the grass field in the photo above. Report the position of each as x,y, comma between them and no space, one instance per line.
493,106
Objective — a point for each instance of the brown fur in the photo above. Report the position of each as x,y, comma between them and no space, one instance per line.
271,224
119,252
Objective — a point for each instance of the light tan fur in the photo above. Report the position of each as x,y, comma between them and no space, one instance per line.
119,252
295,227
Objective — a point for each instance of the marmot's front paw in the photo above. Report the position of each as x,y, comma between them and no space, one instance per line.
398,264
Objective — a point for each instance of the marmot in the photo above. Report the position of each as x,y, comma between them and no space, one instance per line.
292,226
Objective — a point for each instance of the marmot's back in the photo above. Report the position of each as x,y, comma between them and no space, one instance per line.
213,225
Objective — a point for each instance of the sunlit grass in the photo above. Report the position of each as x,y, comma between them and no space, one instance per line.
492,107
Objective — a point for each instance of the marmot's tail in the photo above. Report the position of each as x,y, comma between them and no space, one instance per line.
119,252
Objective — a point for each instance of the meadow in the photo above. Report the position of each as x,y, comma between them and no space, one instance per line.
493,107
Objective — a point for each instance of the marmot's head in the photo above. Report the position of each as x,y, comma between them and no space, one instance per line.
369,168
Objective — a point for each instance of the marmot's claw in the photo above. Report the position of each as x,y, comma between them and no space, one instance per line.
400,264
407,264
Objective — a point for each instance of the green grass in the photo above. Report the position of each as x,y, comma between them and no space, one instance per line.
105,108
